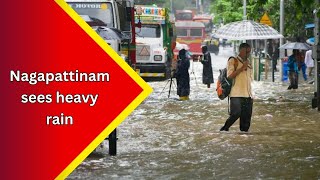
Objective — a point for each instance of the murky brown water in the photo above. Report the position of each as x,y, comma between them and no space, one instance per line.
169,139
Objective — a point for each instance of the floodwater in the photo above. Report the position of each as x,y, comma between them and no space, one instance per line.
169,139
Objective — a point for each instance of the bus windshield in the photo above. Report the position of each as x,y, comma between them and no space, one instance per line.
196,32
184,16
207,23
149,30
102,11
182,32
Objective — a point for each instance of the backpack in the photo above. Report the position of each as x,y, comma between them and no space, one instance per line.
224,84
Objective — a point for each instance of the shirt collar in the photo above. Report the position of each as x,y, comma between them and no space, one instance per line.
240,58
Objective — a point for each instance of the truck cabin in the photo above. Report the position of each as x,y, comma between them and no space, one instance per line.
113,13
154,36
102,10
150,24
113,16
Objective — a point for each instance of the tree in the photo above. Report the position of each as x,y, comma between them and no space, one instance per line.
226,11
148,2
297,13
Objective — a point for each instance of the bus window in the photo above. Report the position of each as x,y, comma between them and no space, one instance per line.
196,32
184,16
182,32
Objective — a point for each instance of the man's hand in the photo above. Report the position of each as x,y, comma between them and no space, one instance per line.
245,65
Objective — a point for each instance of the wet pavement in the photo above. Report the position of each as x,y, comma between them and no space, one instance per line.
169,139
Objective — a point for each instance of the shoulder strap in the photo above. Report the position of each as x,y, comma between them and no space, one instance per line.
231,57
235,62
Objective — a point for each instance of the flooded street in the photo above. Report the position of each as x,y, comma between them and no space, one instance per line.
169,139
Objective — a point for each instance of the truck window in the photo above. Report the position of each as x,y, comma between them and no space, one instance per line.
149,30
196,32
182,32
123,16
102,11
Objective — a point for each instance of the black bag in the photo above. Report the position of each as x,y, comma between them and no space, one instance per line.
224,84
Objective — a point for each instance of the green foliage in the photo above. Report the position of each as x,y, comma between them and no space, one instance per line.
297,13
226,11
148,2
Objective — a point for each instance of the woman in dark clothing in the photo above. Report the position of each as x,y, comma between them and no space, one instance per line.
207,75
182,75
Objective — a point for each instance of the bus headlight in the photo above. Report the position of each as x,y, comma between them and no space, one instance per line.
157,57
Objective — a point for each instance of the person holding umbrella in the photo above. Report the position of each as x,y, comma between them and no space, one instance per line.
293,69
293,61
241,101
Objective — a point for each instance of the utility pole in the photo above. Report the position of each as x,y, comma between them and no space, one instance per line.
281,51
197,6
281,20
201,7
316,56
244,9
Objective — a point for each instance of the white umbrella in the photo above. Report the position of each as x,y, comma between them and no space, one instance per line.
295,45
180,46
246,30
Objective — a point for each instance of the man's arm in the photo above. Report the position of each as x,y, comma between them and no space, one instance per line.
232,72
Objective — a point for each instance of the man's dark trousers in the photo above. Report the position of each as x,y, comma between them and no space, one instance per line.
240,107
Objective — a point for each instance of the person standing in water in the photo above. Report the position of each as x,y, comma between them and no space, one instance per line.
241,101
182,75
207,74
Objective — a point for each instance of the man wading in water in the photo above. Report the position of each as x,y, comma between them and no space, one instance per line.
241,95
